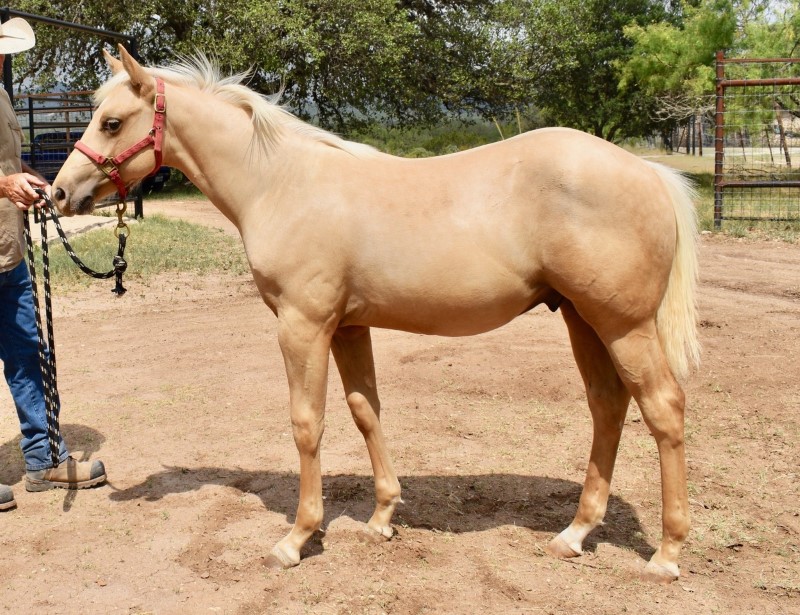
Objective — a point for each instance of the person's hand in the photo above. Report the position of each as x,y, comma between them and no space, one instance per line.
19,189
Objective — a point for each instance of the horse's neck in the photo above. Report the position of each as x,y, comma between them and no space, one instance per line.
211,142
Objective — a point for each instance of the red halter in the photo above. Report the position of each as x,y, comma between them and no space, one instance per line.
110,166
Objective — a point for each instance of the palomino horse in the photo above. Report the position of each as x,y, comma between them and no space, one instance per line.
341,238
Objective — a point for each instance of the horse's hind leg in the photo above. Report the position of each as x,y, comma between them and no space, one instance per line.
608,401
352,350
643,367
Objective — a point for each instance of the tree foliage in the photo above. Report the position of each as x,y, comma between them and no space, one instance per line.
597,65
576,78
405,60
671,58
678,58
773,31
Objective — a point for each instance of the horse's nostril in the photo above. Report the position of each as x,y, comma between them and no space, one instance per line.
59,194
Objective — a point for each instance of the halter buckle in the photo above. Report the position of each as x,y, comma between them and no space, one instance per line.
108,166
160,102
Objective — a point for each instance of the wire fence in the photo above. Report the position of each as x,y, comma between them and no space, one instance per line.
757,140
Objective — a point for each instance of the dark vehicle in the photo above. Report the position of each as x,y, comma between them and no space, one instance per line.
49,151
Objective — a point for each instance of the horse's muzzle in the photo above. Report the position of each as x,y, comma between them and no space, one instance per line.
68,206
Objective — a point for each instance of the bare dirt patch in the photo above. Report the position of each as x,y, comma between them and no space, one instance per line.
179,387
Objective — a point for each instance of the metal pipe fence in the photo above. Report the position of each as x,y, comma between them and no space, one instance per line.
52,122
757,140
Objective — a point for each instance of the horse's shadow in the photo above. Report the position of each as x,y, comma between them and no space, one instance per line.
457,504
452,503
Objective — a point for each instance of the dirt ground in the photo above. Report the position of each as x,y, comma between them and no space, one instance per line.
179,388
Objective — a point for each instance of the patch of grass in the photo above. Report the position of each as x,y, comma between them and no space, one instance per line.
701,172
693,165
156,244
704,203
176,189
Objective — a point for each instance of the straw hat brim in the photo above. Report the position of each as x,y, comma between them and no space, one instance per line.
16,35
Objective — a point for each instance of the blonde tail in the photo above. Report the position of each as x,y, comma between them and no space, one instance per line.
676,318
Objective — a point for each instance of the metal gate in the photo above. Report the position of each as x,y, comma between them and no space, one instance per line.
52,123
757,140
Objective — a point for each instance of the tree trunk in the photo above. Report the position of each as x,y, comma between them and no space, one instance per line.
784,146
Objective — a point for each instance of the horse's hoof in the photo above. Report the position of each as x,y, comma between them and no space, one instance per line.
278,560
559,548
377,536
660,573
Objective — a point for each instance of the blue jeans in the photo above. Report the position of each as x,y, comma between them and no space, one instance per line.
19,352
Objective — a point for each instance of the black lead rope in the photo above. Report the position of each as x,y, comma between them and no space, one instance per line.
47,352
47,360
121,231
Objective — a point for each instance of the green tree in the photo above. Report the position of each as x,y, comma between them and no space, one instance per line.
678,58
404,60
570,68
774,32
673,59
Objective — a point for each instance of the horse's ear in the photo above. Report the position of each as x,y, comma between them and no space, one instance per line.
113,63
140,79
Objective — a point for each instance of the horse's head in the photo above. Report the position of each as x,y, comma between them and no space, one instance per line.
120,146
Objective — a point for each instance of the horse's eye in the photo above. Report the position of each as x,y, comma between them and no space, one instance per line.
112,125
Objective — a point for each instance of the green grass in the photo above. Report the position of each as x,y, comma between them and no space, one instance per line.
704,203
156,244
786,231
176,188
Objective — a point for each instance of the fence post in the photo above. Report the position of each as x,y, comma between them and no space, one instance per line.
719,137
701,134
138,207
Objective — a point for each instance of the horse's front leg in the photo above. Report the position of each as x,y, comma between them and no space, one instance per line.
305,346
352,350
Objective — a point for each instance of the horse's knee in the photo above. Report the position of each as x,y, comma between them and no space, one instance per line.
388,491
676,524
307,432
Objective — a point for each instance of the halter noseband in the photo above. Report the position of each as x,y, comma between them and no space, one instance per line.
110,166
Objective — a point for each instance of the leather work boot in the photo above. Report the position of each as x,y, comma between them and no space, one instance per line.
6,498
70,474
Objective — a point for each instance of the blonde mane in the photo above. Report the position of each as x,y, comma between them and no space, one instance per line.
270,120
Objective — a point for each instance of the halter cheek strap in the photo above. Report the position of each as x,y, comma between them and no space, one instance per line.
110,166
